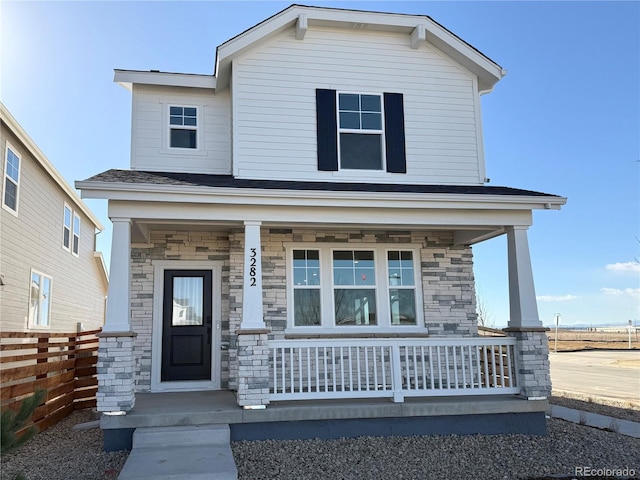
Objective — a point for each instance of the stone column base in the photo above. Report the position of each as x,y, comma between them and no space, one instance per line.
115,368
532,360
253,368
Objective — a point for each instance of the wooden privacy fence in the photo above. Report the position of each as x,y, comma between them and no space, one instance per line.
357,368
62,364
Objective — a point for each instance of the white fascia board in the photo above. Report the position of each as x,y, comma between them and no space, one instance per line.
256,196
47,166
388,217
102,266
127,78
488,71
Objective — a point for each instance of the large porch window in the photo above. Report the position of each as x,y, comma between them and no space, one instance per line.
368,287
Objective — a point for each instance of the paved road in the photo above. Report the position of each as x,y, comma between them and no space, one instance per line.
609,374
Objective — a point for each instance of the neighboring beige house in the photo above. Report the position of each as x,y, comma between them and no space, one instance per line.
52,278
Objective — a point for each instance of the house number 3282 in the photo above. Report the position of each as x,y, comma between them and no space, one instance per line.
252,268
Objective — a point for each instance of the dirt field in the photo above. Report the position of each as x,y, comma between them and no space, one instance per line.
572,340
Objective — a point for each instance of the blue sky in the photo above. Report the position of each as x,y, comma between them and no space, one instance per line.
565,119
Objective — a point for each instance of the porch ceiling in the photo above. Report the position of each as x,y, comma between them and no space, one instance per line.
141,228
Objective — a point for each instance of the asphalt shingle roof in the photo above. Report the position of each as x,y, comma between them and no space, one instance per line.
228,181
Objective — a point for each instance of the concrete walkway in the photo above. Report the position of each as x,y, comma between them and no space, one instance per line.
603,422
181,452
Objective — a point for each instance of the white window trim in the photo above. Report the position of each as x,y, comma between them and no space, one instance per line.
198,127
381,132
6,176
383,315
64,226
30,322
73,234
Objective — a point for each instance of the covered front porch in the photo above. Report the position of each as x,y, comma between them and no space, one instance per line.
259,243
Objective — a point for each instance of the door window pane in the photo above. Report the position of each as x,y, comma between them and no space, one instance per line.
187,301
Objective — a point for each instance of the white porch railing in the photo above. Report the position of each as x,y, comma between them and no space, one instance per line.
355,368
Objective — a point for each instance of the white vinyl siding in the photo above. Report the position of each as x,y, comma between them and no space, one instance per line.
274,110
150,130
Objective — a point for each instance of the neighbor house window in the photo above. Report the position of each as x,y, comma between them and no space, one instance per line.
338,288
66,228
11,180
183,127
361,131
40,300
76,235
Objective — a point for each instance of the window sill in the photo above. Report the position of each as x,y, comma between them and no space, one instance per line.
293,335
183,151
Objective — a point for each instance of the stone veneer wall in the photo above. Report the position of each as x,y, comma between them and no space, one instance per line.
447,278
172,245
532,358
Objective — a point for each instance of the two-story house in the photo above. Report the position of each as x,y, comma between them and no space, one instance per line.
299,225
51,277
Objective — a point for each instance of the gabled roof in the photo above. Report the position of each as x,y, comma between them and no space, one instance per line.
46,165
419,29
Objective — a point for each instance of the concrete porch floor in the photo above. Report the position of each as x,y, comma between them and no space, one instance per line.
220,407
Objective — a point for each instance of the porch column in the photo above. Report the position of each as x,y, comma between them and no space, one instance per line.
252,309
115,366
253,345
522,294
532,349
117,318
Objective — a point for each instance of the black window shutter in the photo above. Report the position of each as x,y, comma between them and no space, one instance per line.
327,130
394,133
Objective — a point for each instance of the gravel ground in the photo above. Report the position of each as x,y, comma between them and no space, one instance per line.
470,457
61,453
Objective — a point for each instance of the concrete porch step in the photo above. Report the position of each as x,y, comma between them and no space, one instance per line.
190,453
181,436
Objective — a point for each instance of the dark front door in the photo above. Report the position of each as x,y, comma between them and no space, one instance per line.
186,325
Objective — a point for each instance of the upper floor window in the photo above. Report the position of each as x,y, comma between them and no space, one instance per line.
71,231
11,180
76,235
372,286
40,300
183,127
360,132
66,228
